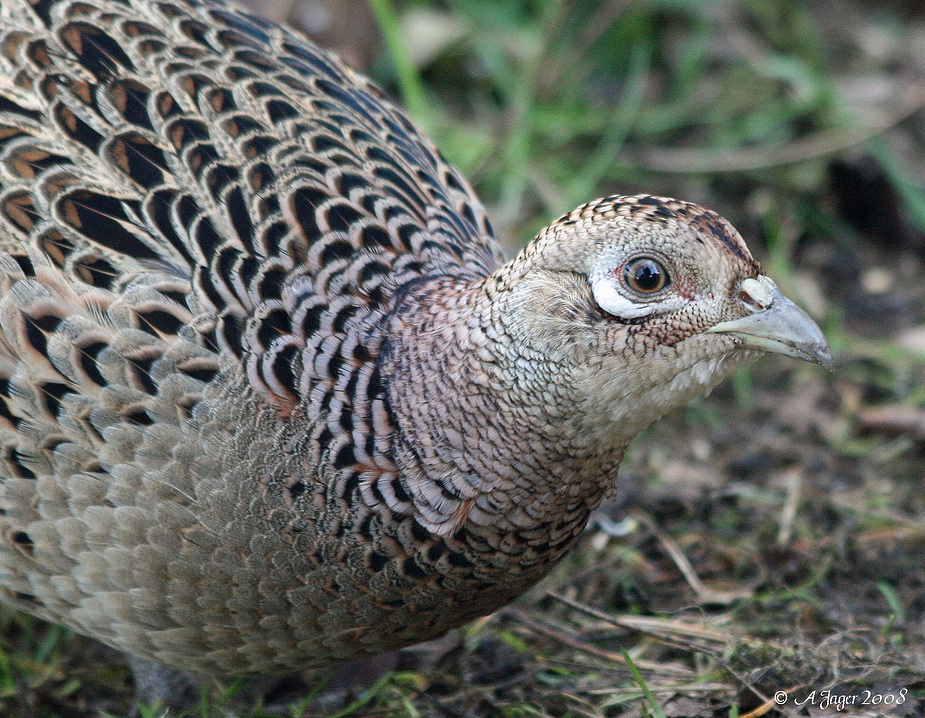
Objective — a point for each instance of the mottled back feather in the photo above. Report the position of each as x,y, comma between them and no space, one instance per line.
192,198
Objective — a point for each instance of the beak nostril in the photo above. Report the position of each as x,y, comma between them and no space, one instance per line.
749,300
757,294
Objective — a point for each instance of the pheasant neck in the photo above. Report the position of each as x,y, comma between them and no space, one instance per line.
496,437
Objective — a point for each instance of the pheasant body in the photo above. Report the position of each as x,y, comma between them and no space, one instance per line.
269,397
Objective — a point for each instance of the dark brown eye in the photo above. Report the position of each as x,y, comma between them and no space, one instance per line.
645,275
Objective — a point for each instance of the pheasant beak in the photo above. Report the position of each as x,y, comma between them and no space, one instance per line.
776,325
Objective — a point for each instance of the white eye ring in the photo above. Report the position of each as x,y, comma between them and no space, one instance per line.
608,297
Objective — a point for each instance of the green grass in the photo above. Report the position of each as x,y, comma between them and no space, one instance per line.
547,104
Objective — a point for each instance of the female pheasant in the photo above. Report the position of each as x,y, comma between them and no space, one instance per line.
270,399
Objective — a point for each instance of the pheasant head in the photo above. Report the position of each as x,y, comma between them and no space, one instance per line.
652,301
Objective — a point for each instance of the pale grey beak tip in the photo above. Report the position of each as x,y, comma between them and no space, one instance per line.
823,356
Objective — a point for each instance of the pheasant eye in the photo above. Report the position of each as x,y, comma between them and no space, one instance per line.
645,276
